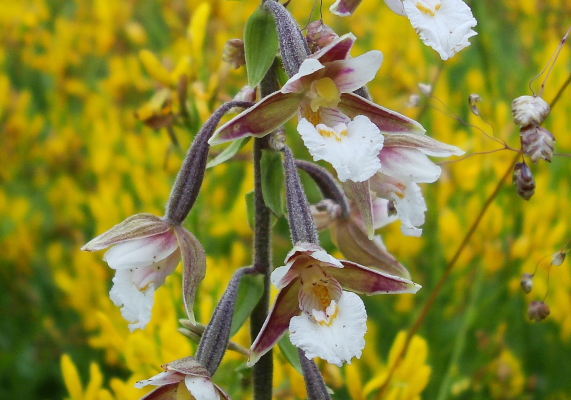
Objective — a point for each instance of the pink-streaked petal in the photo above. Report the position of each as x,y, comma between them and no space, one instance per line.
267,115
408,164
136,305
167,392
337,342
354,244
193,267
282,276
285,307
309,299
164,378
157,272
297,83
446,29
141,252
353,73
337,50
344,8
332,116
360,194
386,120
426,144
201,388
135,227
396,6
360,279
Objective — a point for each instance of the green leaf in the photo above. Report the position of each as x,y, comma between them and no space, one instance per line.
289,351
249,294
260,45
250,208
273,181
228,152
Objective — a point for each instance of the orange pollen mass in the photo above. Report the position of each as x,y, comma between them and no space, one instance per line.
322,295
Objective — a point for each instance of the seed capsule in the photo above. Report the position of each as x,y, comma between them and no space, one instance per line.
558,258
537,143
319,35
529,110
523,180
537,311
526,282
472,100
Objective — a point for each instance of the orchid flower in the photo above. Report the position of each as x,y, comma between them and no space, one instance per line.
183,379
321,93
146,249
323,319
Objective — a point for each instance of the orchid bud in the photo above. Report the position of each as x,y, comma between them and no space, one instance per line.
523,181
247,93
558,258
319,35
537,311
537,143
472,100
529,110
293,46
233,53
526,282
325,213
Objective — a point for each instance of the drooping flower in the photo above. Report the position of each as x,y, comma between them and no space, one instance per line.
145,250
322,93
323,319
444,25
183,379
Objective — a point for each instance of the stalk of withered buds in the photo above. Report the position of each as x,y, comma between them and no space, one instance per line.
189,179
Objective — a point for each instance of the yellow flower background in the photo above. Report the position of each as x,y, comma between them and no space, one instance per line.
80,83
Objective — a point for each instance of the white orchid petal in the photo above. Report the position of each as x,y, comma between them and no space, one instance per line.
396,6
201,388
295,84
337,343
280,277
323,256
164,378
135,304
352,149
353,73
141,252
344,8
445,27
332,116
410,210
408,164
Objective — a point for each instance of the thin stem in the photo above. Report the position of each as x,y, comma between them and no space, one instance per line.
444,277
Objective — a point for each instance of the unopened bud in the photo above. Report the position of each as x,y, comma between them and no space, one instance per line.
558,258
529,110
247,93
278,139
537,311
413,100
425,88
537,143
526,282
319,35
233,53
472,100
523,180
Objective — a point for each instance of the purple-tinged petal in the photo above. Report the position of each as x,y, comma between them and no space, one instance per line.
344,8
426,144
360,194
359,279
337,50
135,227
396,6
161,379
331,117
354,244
193,267
387,121
353,73
267,115
408,164
299,82
167,392
285,307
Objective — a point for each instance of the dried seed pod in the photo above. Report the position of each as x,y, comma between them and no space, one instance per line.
558,258
233,53
319,35
537,143
523,181
537,311
526,282
529,110
472,100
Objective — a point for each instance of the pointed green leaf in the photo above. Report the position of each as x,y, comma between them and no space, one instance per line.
249,294
228,152
260,45
273,181
250,208
289,351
